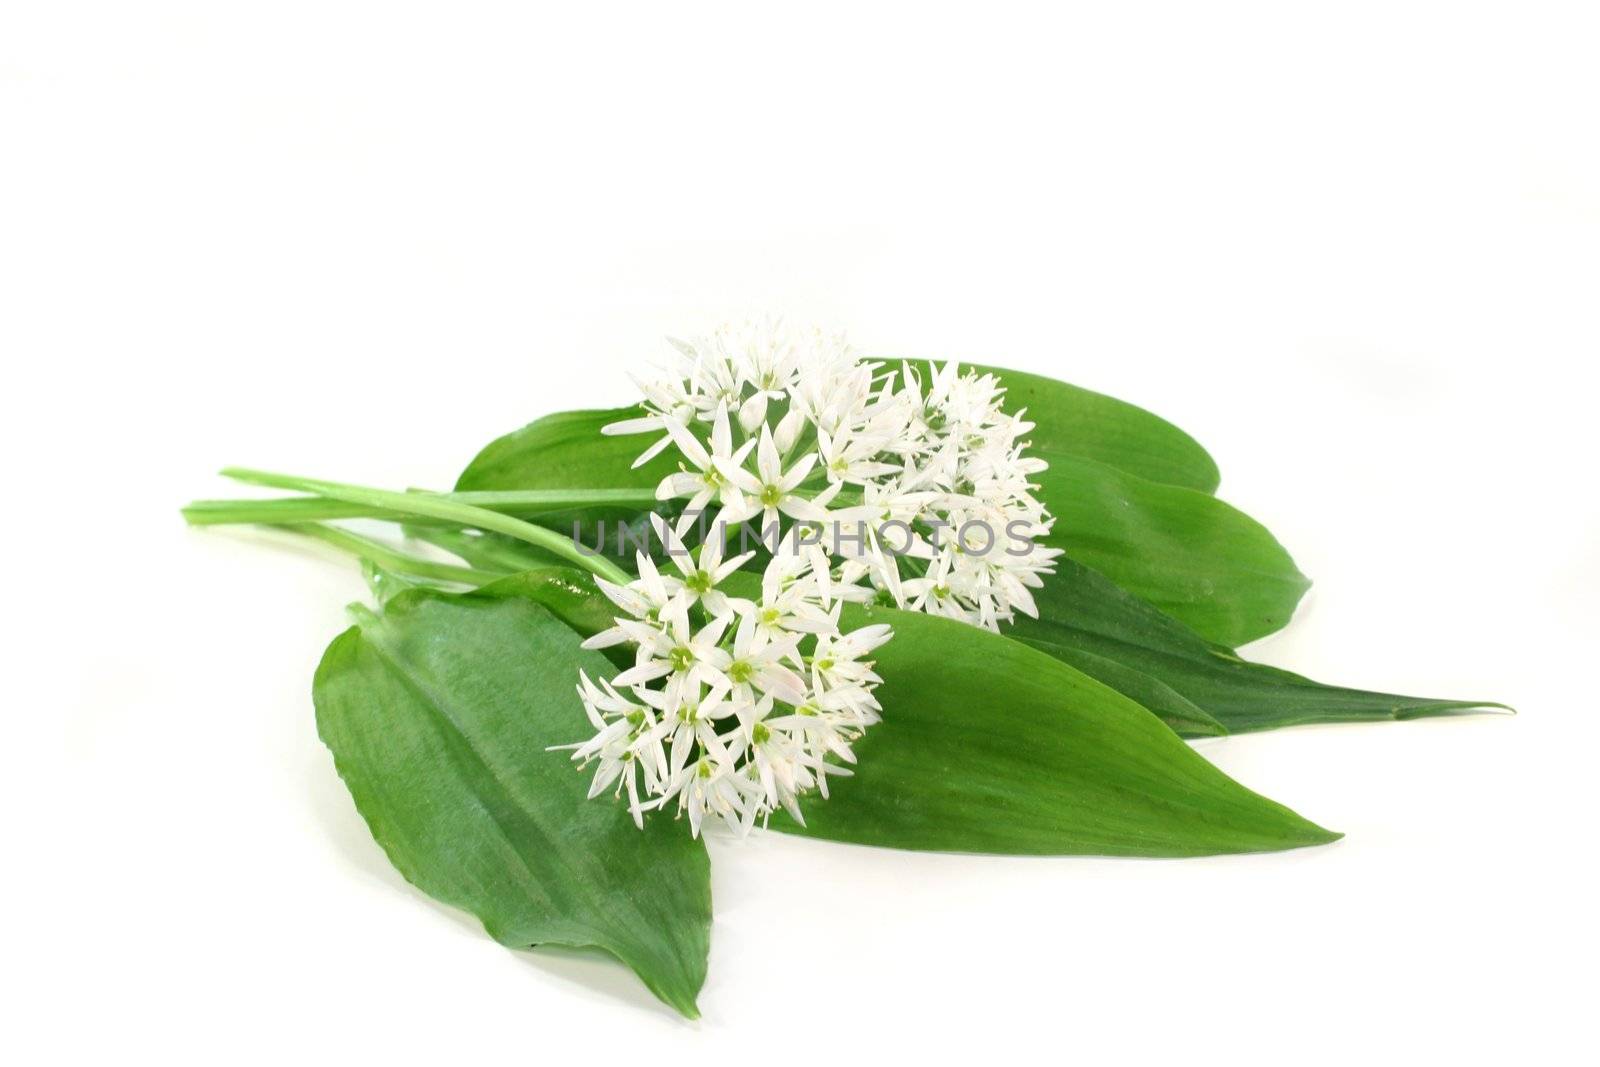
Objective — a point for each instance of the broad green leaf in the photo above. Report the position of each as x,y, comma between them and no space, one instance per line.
987,745
439,713
1131,496
1191,555
567,451
1086,620
1070,421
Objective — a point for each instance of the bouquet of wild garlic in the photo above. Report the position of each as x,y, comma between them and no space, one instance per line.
962,609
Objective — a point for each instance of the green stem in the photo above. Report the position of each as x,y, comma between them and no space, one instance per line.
318,509
390,558
438,507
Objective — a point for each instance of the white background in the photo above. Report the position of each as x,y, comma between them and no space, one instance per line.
1355,249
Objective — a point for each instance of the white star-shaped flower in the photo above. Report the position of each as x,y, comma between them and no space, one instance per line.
702,575
706,482
771,490
675,647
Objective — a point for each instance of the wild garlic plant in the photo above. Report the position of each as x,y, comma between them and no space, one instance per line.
737,676
863,484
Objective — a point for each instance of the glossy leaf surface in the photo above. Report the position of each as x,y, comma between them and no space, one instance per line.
439,713
1084,618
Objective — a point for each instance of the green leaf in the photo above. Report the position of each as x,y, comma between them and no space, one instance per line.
987,745
1189,554
1071,421
439,713
1150,693
1087,620
567,451
1131,493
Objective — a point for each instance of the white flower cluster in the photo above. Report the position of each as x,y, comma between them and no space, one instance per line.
733,706
865,484
919,488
